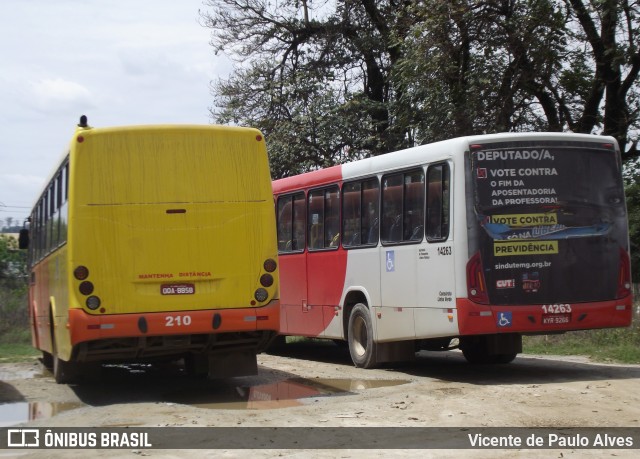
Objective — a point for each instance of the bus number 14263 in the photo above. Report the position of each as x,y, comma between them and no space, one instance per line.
556,308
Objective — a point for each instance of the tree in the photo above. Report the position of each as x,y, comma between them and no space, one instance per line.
316,81
632,192
13,286
13,270
476,67
609,75
328,83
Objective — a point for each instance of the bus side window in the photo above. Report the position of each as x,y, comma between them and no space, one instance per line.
391,208
64,197
290,217
437,218
370,206
360,204
316,219
413,229
285,227
323,219
299,215
403,207
332,217
351,216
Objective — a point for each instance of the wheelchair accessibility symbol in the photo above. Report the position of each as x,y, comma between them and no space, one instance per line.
391,261
504,319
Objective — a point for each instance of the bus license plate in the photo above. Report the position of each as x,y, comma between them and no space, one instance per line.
555,319
177,289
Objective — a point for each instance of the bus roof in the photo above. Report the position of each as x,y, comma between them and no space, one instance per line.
131,128
414,156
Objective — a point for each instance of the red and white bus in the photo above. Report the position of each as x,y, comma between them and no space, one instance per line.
475,240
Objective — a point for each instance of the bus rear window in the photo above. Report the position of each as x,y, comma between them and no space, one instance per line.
545,176
548,221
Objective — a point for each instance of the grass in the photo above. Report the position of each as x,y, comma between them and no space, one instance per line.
11,352
15,346
607,345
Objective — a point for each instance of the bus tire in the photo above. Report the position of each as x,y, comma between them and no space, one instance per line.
196,365
63,372
278,344
505,358
482,358
47,360
478,350
362,347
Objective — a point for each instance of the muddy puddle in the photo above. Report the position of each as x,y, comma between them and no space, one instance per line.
143,384
34,371
282,394
19,412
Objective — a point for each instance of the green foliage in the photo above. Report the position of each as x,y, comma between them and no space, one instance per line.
13,289
18,335
17,352
632,192
333,82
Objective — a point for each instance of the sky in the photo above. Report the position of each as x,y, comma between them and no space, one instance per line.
120,62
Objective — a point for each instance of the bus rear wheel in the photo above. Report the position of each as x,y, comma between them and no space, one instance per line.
477,349
362,347
482,358
47,360
196,365
63,372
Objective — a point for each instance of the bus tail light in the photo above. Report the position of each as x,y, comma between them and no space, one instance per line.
476,286
93,303
81,272
266,280
270,265
261,295
86,287
624,275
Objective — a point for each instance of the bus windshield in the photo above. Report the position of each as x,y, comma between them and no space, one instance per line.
546,209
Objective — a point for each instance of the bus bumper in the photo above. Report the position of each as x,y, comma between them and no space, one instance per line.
477,319
85,327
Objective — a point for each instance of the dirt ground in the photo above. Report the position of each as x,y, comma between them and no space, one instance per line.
312,385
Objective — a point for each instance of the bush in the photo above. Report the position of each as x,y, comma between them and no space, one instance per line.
13,291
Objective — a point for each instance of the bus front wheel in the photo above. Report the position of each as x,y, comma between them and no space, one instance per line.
362,347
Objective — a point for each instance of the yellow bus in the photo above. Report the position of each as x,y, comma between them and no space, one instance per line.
155,242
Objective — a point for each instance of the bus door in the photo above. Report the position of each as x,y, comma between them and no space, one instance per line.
401,233
435,313
293,263
326,263
360,237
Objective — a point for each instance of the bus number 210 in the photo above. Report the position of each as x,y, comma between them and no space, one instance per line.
177,321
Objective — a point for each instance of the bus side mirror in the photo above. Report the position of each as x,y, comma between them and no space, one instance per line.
23,239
